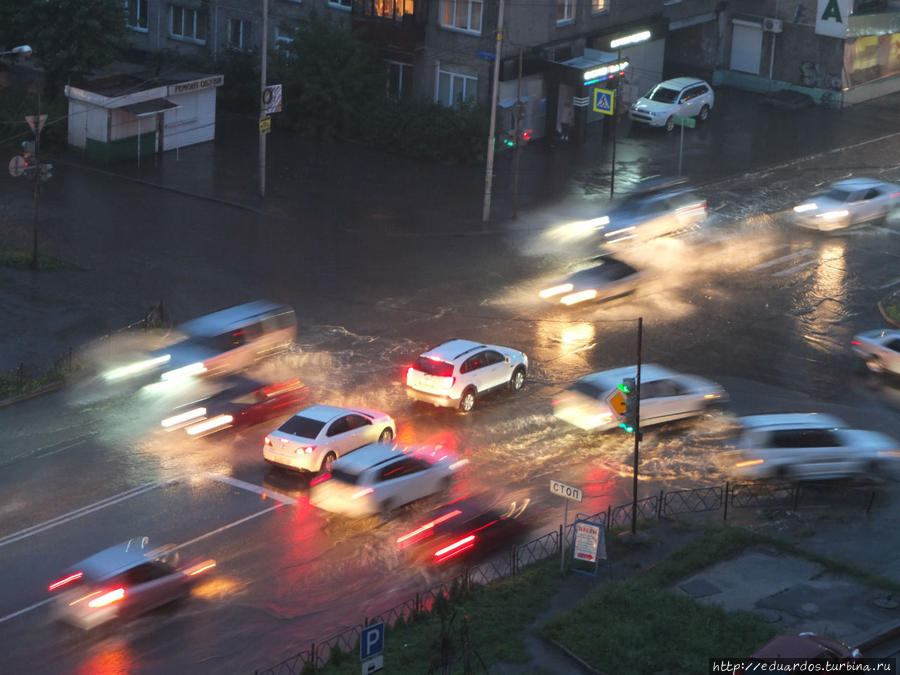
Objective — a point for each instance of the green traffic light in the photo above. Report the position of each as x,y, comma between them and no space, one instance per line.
628,428
623,388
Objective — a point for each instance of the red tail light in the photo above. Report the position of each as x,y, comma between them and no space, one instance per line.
425,530
455,548
855,343
319,479
107,598
65,580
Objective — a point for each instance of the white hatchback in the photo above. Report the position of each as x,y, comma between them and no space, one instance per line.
315,437
592,402
880,349
456,373
683,96
811,446
382,477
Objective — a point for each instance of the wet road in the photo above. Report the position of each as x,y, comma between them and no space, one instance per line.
745,300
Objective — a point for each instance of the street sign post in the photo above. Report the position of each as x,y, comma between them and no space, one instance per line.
17,166
272,99
616,401
371,644
589,543
36,122
683,122
265,125
571,494
604,101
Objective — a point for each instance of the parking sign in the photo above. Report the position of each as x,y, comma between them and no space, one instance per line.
371,641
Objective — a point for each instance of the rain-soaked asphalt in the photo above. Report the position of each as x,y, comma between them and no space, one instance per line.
744,300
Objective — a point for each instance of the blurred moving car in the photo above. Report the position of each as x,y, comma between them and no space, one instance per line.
684,96
606,279
880,349
241,402
470,526
811,446
657,206
121,582
458,372
315,437
846,203
216,344
594,401
382,477
805,646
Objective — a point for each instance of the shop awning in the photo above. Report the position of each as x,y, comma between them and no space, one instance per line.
151,107
510,102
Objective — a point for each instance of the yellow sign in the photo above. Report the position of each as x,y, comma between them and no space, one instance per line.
604,101
616,401
265,125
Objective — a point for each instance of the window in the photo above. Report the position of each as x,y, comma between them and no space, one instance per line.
598,6
137,14
187,23
491,357
437,368
565,11
893,345
455,88
340,4
357,421
238,33
339,426
404,467
462,14
399,80
473,363
304,427
283,36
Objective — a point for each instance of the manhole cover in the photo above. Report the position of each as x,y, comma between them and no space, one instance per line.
887,602
699,588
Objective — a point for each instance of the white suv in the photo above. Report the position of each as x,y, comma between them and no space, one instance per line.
684,96
457,372
811,446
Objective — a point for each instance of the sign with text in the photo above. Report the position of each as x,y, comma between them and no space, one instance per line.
567,491
265,125
587,541
272,99
197,85
832,17
371,641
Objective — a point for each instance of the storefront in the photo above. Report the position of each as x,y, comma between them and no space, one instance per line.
128,116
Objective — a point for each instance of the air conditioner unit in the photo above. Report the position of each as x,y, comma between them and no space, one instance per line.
772,25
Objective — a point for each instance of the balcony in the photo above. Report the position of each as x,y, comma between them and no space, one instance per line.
397,25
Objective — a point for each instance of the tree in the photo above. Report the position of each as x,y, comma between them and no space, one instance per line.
69,37
330,77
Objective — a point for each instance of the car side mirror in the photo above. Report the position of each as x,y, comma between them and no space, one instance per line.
506,359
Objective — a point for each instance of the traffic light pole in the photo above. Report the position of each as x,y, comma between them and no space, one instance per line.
637,426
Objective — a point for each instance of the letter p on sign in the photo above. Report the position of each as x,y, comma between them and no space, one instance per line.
371,641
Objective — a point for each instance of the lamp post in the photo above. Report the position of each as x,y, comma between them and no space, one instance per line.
24,50
617,44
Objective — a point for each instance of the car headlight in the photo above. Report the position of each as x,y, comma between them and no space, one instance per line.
555,290
579,296
802,208
136,368
187,371
834,215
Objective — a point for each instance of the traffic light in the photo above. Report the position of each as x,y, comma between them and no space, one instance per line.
629,388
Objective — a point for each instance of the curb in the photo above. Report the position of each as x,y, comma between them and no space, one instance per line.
34,393
574,657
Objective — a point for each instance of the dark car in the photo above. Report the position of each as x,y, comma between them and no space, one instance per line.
242,402
606,278
465,528
804,646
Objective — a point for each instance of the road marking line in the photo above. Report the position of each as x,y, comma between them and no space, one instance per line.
27,609
250,487
783,258
65,447
83,511
891,283
224,527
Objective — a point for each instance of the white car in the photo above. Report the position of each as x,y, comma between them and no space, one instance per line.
315,437
880,349
382,477
810,446
684,96
847,203
594,402
456,373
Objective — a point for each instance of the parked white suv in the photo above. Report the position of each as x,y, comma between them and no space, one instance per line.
684,96
456,373
811,446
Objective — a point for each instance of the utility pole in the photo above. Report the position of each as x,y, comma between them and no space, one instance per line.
637,427
612,176
262,91
489,169
518,139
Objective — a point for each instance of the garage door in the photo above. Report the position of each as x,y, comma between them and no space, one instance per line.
746,46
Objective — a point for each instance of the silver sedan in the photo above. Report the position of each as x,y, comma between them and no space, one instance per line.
880,349
847,203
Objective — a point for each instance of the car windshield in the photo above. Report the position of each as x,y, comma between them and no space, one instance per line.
662,94
303,427
439,368
344,476
587,388
610,270
838,194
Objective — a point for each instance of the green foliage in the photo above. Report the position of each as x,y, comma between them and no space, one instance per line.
241,91
336,656
69,37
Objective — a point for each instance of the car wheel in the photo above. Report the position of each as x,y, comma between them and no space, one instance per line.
467,401
517,381
704,113
386,435
328,462
874,364
670,123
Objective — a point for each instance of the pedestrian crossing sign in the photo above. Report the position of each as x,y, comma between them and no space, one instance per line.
604,101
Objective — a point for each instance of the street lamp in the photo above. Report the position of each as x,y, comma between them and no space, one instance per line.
617,44
24,50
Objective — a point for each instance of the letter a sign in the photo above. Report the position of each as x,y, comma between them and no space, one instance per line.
831,18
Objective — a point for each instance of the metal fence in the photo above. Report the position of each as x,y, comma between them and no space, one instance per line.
764,496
